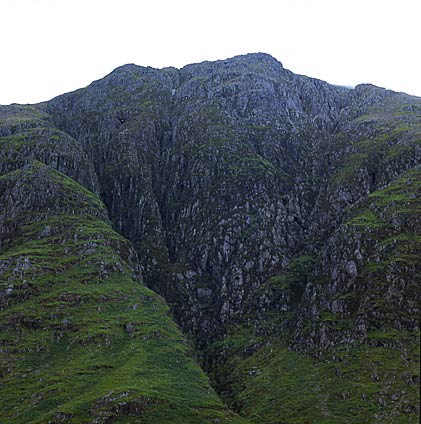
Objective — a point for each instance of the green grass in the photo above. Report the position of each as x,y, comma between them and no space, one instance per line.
278,385
293,279
366,218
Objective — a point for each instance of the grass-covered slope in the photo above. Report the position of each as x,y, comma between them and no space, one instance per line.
363,385
82,340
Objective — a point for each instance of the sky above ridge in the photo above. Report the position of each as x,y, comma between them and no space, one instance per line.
49,47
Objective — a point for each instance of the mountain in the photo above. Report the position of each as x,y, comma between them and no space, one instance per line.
277,215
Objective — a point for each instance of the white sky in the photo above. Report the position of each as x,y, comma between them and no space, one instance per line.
49,47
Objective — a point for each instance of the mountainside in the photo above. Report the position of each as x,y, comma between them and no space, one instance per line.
279,216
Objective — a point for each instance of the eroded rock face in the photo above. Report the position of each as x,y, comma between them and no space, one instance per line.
221,172
209,155
254,198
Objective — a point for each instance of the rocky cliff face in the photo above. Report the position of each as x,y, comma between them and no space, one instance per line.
278,216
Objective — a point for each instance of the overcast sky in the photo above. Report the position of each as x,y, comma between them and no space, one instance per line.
49,47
